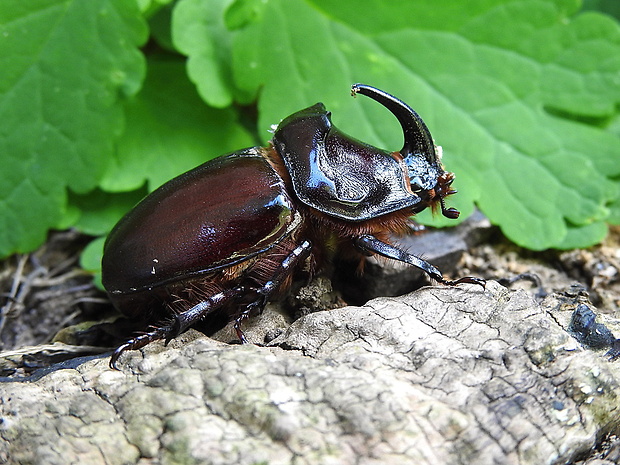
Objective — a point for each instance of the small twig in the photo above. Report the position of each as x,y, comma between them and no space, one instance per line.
531,277
65,322
12,297
55,281
65,265
90,300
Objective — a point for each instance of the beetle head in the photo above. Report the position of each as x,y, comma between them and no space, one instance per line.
422,157
348,179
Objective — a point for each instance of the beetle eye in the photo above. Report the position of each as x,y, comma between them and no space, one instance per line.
422,175
415,188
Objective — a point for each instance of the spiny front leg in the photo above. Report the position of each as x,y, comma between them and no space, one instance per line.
370,244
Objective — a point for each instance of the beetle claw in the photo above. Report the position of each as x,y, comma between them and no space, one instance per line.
175,328
466,279
238,329
116,354
614,353
140,341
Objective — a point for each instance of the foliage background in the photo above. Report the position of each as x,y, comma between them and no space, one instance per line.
102,101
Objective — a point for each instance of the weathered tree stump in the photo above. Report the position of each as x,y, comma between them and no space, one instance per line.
440,376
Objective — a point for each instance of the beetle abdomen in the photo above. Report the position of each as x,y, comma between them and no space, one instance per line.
218,214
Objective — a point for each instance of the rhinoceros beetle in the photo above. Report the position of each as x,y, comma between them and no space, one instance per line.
225,236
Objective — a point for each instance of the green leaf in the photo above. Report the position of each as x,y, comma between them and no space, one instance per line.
522,95
160,26
241,13
198,30
611,7
170,130
614,215
577,235
97,212
66,67
514,91
150,7
614,205
90,260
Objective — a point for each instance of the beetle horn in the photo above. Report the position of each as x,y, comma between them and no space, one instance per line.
418,140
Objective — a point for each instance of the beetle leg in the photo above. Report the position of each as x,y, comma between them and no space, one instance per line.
370,244
414,228
138,342
238,329
179,323
185,319
266,290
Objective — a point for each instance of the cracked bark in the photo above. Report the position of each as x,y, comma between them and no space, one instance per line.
440,376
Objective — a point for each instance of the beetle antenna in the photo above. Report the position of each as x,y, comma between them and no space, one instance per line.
418,139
